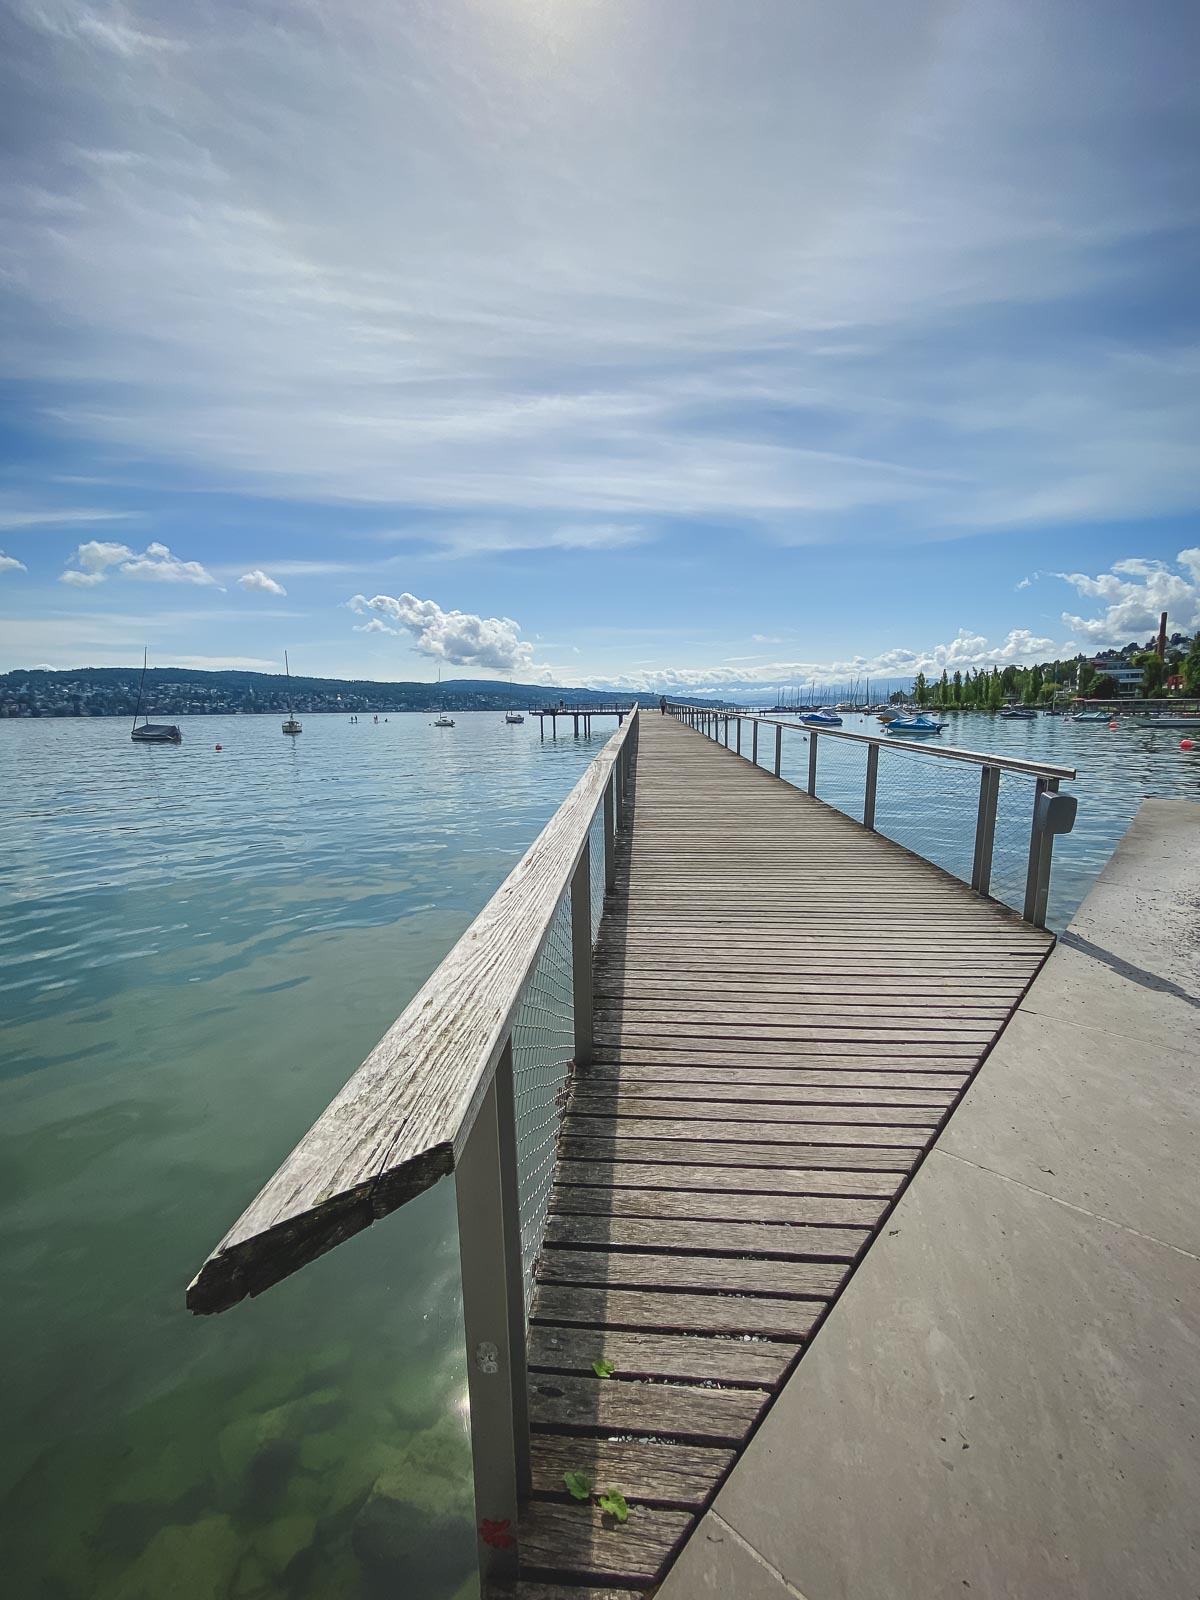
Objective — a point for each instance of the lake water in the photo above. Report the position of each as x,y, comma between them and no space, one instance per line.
197,948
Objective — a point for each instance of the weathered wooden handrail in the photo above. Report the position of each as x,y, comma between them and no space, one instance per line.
403,1119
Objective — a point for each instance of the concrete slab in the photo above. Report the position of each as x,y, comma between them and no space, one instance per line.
1006,1404
717,1561
1098,1119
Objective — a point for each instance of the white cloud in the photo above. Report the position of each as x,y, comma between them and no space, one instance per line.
1135,592
97,559
258,582
11,564
454,636
548,259
965,651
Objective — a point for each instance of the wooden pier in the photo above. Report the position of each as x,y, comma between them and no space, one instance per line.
779,1013
787,1009
581,718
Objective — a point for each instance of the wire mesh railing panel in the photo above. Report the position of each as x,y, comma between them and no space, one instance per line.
842,775
596,848
543,1046
1010,853
930,807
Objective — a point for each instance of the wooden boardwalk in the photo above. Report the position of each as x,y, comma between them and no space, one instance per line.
787,1009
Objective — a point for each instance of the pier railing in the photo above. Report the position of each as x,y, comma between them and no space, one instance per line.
988,819
470,1079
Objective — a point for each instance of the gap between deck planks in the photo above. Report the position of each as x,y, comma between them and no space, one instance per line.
787,1009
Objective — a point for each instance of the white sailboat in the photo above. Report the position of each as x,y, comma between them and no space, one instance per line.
514,716
442,720
291,725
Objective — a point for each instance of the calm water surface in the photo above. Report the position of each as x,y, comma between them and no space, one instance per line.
196,950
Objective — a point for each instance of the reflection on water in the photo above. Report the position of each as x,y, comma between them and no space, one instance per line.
196,949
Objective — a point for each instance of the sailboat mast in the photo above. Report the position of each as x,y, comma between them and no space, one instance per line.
288,674
141,684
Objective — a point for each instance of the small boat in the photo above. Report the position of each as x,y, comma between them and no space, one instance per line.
1164,722
821,719
1093,716
441,720
1018,713
152,732
886,716
513,717
291,725
914,725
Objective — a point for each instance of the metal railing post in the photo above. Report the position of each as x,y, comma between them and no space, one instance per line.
985,829
754,741
778,748
812,762
610,836
739,735
872,786
489,1245
581,953
1041,847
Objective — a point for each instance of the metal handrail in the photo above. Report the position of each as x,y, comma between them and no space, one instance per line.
435,1096
1035,769
1052,813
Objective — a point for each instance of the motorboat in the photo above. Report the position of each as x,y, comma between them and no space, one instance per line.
821,719
1093,716
910,726
151,732
1165,722
1018,714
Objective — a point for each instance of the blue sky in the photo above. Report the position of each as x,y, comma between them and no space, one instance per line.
596,340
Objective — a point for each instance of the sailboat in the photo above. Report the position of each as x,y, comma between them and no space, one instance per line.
442,720
513,716
151,732
291,725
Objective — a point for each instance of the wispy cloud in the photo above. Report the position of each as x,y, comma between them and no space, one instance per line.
15,520
11,564
851,268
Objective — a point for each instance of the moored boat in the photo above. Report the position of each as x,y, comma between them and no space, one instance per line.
291,725
822,719
151,732
1018,713
919,726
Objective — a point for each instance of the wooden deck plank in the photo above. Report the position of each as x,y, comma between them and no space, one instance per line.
739,1363
679,1476
786,1009
589,1404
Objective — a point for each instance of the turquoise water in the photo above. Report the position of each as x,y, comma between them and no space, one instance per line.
196,950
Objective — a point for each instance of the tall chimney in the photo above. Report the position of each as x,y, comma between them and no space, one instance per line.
1162,637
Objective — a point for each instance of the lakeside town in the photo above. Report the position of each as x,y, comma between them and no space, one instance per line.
1167,666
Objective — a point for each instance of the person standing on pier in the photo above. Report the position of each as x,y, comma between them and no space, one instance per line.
662,705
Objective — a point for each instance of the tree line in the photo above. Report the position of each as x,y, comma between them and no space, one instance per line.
989,688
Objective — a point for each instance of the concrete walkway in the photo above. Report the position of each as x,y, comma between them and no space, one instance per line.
1006,1399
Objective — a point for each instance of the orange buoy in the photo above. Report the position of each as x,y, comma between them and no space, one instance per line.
1112,725
1186,744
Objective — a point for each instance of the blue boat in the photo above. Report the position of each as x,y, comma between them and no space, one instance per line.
822,719
1018,714
914,725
